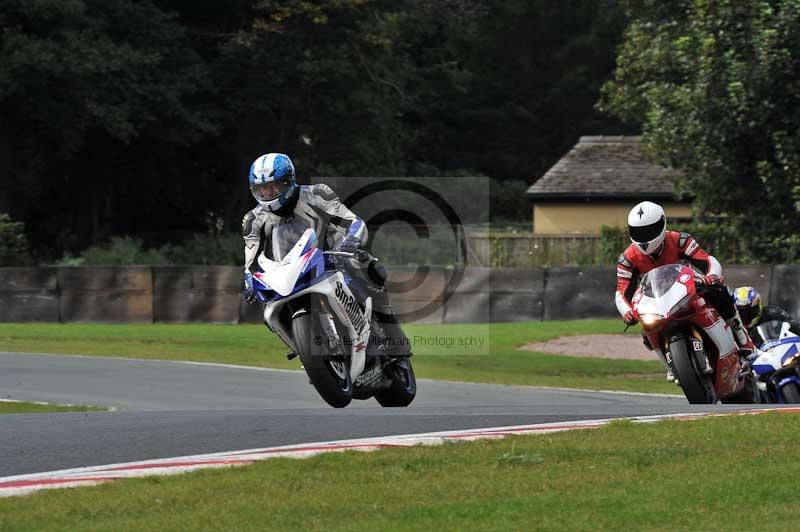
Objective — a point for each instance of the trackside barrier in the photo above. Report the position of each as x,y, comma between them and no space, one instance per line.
213,293
105,294
758,276
196,293
501,294
785,288
29,294
579,293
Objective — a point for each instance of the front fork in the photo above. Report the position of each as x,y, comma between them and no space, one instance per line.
699,353
331,334
696,348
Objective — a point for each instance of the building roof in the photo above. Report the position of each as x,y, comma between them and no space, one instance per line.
605,168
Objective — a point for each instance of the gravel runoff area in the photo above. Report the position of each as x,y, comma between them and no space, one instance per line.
628,346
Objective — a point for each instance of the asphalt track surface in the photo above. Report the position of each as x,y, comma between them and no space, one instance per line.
166,409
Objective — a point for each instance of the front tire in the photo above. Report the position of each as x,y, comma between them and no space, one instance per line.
329,375
791,393
694,386
403,388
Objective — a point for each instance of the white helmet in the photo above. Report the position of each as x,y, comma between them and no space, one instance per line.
647,226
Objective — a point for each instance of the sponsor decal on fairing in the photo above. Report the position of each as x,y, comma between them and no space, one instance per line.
351,307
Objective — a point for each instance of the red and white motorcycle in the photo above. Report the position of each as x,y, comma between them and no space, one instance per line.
691,337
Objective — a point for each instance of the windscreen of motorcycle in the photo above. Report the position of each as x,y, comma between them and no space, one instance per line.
659,281
773,330
661,290
285,235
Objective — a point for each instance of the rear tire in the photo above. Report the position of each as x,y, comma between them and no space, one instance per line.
694,387
331,377
403,388
791,393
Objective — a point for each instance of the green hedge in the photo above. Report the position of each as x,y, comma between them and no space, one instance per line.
400,246
226,249
393,246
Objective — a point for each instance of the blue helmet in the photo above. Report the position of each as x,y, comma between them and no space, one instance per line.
272,180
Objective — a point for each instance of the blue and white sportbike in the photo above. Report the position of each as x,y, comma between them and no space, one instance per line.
311,306
778,368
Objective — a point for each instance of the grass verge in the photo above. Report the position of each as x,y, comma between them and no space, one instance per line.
499,361
673,475
22,407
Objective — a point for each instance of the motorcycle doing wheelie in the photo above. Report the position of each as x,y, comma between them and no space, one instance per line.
697,344
777,368
309,304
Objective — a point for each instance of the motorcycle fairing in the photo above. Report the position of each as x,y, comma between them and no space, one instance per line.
720,333
282,276
786,380
327,286
783,341
663,305
728,368
777,351
716,341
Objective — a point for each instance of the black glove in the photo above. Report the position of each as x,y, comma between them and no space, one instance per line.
249,291
349,244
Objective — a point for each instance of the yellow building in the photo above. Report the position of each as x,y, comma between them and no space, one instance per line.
597,183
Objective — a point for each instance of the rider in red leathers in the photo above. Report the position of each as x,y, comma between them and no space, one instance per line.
652,246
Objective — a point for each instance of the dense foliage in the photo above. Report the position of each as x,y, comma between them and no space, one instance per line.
140,118
14,247
716,86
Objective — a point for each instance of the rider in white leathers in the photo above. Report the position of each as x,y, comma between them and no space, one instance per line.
280,201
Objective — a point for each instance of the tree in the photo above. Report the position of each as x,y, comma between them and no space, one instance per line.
532,72
504,88
431,87
13,242
716,89
88,88
142,117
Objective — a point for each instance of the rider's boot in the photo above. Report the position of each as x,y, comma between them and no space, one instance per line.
373,279
396,343
747,349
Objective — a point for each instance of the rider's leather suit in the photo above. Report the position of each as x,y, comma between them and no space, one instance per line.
320,208
677,247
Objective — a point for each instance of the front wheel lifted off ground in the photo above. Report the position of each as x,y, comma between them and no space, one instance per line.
330,376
